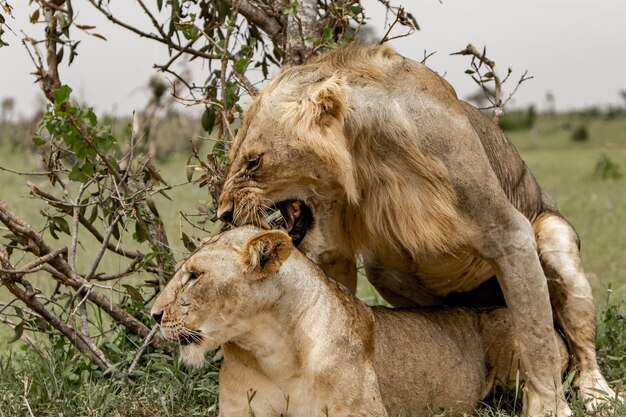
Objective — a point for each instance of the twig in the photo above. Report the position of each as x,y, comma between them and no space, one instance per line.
497,102
27,295
131,268
35,244
399,13
58,204
166,41
142,349
245,83
152,18
24,337
41,173
103,247
30,267
26,390
427,55
75,221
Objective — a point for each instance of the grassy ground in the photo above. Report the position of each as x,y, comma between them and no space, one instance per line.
597,208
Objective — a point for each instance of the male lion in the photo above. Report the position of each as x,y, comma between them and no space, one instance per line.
297,343
365,151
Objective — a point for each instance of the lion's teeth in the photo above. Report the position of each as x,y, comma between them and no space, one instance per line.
287,212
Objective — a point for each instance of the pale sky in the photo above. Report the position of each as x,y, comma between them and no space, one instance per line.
576,49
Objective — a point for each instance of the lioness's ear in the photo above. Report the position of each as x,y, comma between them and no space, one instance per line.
266,252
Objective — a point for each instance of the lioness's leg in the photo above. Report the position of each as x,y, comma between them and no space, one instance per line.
572,301
511,247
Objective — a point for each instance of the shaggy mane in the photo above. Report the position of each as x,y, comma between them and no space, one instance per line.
375,151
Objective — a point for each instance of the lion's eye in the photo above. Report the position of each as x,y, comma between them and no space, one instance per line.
253,163
190,277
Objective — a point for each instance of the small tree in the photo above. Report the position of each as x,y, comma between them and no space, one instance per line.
104,190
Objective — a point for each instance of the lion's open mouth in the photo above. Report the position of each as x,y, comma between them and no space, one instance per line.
298,219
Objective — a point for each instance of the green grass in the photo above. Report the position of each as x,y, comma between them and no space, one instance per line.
596,208
62,383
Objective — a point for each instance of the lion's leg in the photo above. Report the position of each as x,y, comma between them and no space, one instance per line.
512,248
400,289
572,302
502,352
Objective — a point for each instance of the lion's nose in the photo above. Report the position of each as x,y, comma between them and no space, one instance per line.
225,212
157,317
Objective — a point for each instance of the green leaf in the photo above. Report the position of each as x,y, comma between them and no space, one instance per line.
62,94
139,235
219,150
159,4
232,96
355,10
116,231
60,55
62,224
17,333
291,9
208,119
164,194
52,229
240,65
189,243
152,206
133,293
189,169
38,140
94,214
83,207
73,52
77,175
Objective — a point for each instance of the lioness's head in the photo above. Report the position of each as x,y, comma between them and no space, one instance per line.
290,152
231,277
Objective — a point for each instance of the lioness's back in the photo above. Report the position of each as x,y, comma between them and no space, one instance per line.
418,354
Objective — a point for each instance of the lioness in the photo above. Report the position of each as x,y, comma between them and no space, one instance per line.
365,151
297,343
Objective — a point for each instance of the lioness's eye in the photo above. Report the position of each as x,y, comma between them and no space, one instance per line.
192,275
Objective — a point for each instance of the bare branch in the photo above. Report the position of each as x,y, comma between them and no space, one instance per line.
165,40
27,295
257,16
67,208
142,349
35,244
495,98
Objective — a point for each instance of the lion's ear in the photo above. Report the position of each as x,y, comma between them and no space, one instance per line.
329,101
265,253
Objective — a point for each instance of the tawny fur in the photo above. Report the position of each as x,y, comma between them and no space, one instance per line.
296,343
427,189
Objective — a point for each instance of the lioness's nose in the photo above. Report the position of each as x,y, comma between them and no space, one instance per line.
157,316
225,212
